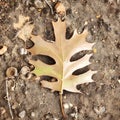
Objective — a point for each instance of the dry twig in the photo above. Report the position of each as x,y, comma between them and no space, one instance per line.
8,100
49,6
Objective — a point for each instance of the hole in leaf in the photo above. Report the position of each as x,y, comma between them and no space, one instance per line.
45,11
69,32
1,46
81,87
44,58
68,11
48,78
81,70
77,56
29,44
49,32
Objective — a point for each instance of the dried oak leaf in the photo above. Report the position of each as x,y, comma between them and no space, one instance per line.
21,21
61,51
25,29
25,32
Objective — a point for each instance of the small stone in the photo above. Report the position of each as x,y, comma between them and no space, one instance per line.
70,104
23,51
100,110
32,114
66,106
22,114
72,114
86,23
64,97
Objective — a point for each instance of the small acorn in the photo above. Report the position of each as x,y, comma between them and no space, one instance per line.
11,72
3,49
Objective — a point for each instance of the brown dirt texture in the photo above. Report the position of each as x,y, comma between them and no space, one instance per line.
25,99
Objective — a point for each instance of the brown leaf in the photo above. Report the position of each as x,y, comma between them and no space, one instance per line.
61,51
25,30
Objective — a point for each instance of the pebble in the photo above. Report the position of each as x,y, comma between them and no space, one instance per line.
23,51
22,114
68,105
119,81
33,114
100,110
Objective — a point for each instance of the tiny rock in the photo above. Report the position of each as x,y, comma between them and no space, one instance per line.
100,110
22,114
72,114
68,105
23,51
32,114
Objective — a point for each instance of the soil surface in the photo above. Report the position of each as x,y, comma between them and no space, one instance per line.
25,99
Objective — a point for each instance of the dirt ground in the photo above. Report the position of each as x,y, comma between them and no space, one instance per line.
99,100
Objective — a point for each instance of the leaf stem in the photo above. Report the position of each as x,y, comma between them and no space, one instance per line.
62,108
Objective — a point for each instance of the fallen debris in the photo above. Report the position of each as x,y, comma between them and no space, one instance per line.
60,9
22,114
99,110
3,49
11,72
21,21
25,31
8,100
